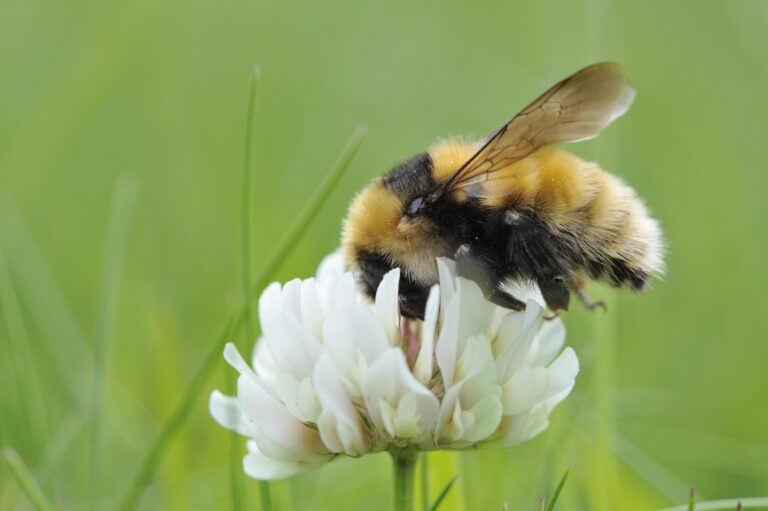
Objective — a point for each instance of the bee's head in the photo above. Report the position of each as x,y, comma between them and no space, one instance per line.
391,223
384,230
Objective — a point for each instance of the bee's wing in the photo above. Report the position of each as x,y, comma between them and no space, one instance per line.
577,108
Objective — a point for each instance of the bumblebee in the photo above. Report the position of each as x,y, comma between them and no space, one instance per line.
512,207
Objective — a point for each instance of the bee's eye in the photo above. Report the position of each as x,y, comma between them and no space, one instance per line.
415,206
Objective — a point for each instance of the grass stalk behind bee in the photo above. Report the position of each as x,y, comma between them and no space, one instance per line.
173,424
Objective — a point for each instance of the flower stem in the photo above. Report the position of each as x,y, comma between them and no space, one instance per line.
424,483
404,470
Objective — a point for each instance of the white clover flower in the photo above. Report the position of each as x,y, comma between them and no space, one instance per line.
333,374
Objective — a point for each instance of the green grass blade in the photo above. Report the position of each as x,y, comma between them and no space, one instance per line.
692,499
124,197
443,494
725,505
45,301
654,473
425,482
59,444
305,217
558,490
27,483
247,206
179,415
177,418
18,366
235,449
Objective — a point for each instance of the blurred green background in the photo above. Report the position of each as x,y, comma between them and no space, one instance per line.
101,99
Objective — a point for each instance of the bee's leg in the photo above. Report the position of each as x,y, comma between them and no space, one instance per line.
578,284
506,300
480,270
412,299
555,292
412,306
589,304
551,316
372,270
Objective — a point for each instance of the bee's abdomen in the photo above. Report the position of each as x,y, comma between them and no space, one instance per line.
603,226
